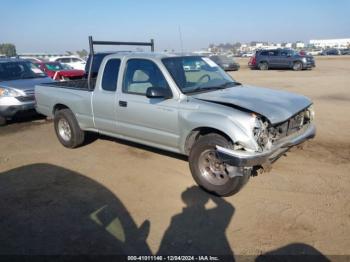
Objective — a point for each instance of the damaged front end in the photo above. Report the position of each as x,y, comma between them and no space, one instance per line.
272,140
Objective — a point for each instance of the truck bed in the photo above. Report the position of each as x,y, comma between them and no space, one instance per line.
81,84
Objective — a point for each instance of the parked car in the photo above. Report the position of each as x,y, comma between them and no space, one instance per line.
17,81
330,51
345,51
60,72
31,59
227,130
314,52
72,61
281,58
248,54
225,62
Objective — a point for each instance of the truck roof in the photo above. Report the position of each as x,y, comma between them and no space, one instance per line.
142,55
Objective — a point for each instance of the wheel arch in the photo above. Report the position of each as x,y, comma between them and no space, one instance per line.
59,106
198,132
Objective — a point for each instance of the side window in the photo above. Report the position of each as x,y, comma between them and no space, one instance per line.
141,74
74,60
64,60
273,53
264,53
110,75
284,53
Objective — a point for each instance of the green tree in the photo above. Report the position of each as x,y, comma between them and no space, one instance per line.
82,53
8,49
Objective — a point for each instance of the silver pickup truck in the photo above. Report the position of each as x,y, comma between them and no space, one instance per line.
228,130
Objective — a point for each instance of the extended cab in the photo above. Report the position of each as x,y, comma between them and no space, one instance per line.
227,129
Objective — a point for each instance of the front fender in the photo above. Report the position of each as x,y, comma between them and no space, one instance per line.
224,123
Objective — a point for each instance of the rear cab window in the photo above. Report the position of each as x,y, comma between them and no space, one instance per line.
110,75
96,63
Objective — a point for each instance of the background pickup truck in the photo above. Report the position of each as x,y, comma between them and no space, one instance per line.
227,130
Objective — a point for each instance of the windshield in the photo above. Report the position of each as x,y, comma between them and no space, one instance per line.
19,70
54,66
197,74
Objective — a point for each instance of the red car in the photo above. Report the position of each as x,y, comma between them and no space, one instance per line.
60,72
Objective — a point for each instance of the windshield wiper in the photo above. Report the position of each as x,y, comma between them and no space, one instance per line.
227,84
210,88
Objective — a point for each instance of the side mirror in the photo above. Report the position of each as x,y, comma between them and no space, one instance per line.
158,92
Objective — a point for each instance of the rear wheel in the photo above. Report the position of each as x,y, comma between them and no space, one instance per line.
297,66
208,170
67,129
2,121
263,66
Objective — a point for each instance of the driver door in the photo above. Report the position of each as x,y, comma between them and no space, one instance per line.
153,120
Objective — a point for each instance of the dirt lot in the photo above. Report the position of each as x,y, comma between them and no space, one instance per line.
110,196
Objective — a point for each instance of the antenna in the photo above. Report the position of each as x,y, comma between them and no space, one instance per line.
181,43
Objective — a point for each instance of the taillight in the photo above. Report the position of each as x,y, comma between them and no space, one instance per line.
252,60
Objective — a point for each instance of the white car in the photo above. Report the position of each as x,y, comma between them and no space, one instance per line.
72,61
31,59
247,54
315,52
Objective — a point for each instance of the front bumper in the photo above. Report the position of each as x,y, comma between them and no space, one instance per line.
309,64
250,159
9,106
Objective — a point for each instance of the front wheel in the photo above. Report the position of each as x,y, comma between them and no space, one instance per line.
208,170
297,66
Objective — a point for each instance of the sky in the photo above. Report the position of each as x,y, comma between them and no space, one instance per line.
64,25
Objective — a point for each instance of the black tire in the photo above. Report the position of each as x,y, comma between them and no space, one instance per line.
297,66
230,185
263,66
76,137
2,121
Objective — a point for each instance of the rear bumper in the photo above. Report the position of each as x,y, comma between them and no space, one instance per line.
252,66
250,159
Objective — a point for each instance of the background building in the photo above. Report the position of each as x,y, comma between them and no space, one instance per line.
331,43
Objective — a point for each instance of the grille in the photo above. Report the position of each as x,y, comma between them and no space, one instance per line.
26,98
289,127
29,92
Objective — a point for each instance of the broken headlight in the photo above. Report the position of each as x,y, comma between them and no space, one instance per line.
261,133
309,113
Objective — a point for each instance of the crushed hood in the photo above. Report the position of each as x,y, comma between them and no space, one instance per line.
277,106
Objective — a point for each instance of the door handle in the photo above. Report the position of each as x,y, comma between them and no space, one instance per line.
123,103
